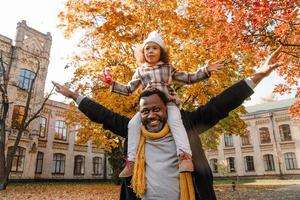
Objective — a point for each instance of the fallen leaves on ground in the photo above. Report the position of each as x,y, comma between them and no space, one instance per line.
65,191
258,192
101,191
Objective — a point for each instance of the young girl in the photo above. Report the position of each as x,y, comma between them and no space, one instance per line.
156,71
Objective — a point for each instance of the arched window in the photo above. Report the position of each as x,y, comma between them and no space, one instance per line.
285,132
79,165
60,130
25,79
290,161
97,163
249,164
214,165
58,166
264,135
230,164
269,162
39,163
246,139
18,113
18,159
228,140
77,128
43,127
2,71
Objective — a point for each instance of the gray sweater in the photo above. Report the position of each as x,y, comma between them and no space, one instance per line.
162,173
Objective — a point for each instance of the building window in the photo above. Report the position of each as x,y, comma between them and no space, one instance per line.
39,163
2,71
1,111
264,135
290,161
285,132
269,162
230,164
77,127
214,165
60,130
18,159
97,163
43,127
110,171
249,164
18,114
25,79
246,139
79,165
58,163
228,140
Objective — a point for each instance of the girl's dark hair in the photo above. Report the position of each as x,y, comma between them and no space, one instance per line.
164,56
151,91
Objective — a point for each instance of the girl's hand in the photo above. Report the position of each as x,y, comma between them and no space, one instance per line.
106,77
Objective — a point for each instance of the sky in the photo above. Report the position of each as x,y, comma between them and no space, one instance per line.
42,16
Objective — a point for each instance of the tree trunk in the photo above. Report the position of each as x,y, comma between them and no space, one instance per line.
3,184
5,167
3,176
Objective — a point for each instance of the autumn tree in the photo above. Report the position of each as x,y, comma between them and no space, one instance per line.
267,24
241,33
21,125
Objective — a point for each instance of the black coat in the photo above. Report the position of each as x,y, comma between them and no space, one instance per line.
195,122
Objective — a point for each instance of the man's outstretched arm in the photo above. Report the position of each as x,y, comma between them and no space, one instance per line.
219,107
96,112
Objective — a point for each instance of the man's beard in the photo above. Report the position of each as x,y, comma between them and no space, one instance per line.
147,124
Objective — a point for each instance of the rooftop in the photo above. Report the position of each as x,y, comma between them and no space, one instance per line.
270,106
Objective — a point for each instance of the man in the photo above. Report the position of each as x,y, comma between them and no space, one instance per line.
162,177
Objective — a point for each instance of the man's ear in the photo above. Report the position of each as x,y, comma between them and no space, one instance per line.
166,109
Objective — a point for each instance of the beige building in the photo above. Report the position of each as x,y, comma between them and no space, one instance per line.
48,149
271,147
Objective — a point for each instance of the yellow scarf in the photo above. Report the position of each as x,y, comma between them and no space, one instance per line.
138,181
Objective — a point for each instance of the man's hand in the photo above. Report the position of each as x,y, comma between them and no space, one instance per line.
65,91
267,66
271,62
213,66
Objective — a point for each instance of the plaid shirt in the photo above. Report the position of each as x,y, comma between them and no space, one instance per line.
160,77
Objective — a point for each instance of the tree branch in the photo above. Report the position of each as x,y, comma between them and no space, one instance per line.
288,53
36,115
288,45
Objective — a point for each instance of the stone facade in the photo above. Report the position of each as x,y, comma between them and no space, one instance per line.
271,147
42,152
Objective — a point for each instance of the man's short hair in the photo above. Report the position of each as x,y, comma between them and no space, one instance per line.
151,91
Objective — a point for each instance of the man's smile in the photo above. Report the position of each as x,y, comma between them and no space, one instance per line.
154,123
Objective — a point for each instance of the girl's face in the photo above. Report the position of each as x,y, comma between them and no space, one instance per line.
152,53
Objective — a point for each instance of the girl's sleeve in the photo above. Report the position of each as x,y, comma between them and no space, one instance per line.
189,78
129,88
